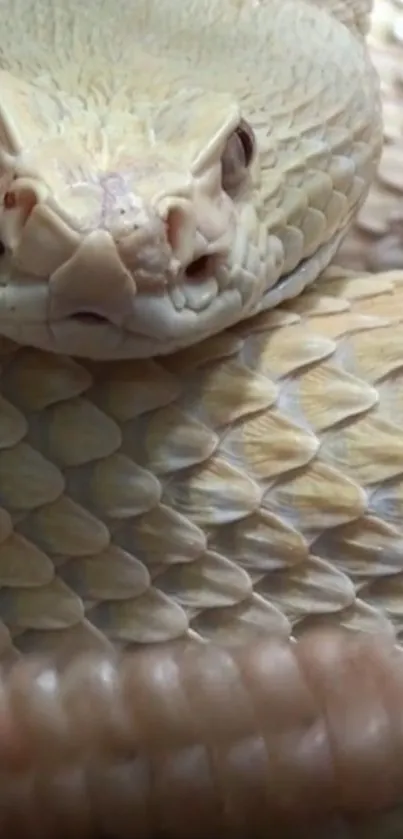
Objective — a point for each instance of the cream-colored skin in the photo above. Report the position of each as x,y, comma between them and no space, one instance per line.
114,119
248,485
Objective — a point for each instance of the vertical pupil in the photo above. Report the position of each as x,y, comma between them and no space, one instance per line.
247,144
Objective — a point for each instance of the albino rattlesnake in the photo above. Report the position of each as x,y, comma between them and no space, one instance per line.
248,486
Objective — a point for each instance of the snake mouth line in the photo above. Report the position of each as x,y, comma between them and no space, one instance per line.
90,319
154,326
188,318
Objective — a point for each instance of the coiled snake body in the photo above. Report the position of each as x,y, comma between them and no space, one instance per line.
169,171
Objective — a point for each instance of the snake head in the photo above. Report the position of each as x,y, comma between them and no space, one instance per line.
121,231
162,180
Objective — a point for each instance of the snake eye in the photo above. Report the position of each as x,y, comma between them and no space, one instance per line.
238,155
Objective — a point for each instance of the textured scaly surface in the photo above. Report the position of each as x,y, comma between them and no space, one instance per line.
150,499
251,484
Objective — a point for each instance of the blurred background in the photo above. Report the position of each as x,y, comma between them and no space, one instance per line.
376,243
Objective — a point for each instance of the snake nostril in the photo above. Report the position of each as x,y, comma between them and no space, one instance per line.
199,269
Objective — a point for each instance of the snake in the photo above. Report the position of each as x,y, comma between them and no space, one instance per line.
201,457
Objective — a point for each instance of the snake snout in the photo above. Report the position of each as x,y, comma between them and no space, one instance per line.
94,285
